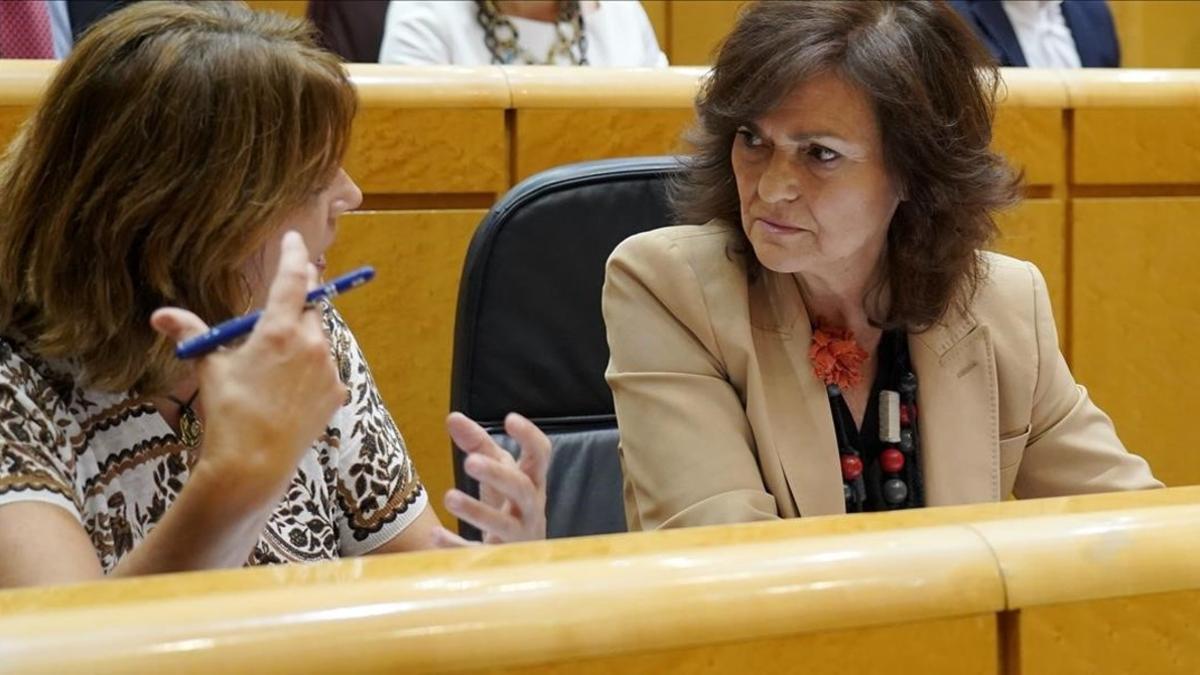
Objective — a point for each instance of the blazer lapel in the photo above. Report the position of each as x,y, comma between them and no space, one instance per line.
958,412
994,21
1091,29
800,436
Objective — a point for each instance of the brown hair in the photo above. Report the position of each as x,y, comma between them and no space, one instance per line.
164,153
933,88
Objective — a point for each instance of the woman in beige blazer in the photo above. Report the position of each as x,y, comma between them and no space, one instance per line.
843,169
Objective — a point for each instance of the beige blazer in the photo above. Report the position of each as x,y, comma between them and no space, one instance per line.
722,419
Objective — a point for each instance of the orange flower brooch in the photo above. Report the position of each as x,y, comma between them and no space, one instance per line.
836,357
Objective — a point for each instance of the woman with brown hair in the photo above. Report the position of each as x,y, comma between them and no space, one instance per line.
834,338
184,168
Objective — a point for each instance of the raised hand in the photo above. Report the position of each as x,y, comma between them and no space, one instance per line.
267,400
512,493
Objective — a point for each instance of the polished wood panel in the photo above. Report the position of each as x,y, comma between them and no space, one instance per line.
958,646
1134,322
581,89
1036,231
531,614
294,8
550,138
11,118
656,11
1135,146
1023,593
1073,558
1032,140
374,568
404,320
1158,33
396,151
1138,634
698,27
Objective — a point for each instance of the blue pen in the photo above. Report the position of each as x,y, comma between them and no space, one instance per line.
233,329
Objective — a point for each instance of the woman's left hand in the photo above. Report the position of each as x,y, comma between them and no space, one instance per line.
512,493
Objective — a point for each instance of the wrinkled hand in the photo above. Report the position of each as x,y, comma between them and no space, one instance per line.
512,493
266,400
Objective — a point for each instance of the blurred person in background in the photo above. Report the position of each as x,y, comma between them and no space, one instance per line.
520,32
47,29
1044,33
352,29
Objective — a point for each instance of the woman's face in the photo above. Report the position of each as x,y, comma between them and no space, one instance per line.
815,194
316,221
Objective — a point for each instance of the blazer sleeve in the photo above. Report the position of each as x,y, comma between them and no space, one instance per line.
1073,447
686,445
414,34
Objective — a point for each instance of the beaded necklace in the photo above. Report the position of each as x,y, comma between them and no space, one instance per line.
896,482
504,41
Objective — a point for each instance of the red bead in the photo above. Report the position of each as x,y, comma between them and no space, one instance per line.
851,467
891,460
905,418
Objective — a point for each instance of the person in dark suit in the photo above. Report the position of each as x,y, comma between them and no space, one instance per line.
1045,33
83,13
352,29
46,30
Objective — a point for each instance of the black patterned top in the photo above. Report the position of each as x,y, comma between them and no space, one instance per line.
114,463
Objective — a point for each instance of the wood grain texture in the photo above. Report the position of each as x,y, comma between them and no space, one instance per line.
402,150
957,646
160,587
1033,140
1132,146
1135,319
404,321
549,138
1140,634
534,613
1036,231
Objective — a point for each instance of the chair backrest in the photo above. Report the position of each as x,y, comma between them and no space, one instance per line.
529,336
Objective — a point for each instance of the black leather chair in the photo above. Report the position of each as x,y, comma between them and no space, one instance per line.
529,336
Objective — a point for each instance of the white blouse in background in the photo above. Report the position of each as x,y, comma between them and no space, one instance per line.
1043,33
418,32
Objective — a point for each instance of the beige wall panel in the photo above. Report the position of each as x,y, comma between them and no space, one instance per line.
401,150
404,320
959,646
1135,146
698,26
1037,231
1032,139
551,137
1135,322
1140,634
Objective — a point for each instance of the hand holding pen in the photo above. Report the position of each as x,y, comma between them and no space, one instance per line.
265,401
224,333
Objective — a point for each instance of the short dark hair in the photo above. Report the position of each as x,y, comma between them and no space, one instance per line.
933,88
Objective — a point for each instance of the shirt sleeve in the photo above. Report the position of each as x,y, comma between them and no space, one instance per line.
37,462
377,489
414,34
652,54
